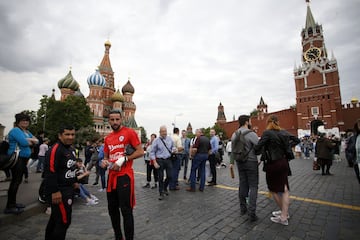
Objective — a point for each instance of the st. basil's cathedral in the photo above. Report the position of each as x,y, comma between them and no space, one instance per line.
103,97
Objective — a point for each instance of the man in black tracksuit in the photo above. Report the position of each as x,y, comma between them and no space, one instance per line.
60,180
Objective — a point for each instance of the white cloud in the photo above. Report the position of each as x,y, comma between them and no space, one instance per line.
183,56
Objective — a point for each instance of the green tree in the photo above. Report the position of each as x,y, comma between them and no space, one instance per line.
144,138
254,113
86,133
52,114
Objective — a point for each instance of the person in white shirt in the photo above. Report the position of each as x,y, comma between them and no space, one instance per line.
42,151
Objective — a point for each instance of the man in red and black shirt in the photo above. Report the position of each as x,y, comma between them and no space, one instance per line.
60,181
121,187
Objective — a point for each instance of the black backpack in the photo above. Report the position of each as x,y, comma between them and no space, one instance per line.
238,146
7,161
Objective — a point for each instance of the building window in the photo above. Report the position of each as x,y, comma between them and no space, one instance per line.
315,111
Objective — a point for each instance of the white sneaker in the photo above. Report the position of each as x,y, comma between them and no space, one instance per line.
101,190
91,202
48,211
94,198
278,220
278,213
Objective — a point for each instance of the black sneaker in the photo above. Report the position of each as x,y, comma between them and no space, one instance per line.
161,197
166,192
155,186
243,212
253,218
13,210
146,185
20,205
95,183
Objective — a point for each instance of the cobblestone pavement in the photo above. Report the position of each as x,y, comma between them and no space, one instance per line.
321,207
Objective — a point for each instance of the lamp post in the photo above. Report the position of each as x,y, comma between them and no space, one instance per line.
45,108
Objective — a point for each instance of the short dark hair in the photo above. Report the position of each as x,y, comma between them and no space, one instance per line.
243,119
153,134
65,127
116,111
176,130
21,116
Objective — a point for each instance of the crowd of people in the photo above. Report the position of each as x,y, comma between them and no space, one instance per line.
66,174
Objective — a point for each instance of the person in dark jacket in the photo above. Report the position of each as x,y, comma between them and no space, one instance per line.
352,149
275,145
60,180
323,153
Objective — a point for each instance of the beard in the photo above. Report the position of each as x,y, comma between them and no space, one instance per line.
115,127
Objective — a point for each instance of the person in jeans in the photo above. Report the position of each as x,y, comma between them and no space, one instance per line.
248,170
42,151
214,141
102,171
150,167
185,154
200,150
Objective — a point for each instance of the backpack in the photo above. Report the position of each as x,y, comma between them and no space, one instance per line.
238,146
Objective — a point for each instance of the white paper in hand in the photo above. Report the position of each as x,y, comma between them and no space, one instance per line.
120,161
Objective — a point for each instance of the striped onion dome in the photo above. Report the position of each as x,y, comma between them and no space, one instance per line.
117,97
96,79
128,88
68,82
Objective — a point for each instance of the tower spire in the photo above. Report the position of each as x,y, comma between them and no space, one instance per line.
310,21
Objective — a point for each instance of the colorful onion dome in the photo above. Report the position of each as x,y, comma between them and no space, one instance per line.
107,43
117,97
96,79
68,82
128,88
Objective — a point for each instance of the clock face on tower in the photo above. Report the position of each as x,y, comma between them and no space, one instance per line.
312,54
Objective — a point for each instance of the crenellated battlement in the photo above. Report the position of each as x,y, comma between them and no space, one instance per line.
350,105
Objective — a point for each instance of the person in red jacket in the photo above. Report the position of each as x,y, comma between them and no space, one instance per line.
121,147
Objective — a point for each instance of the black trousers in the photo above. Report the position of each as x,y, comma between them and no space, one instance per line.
120,198
165,165
150,168
17,174
212,161
60,218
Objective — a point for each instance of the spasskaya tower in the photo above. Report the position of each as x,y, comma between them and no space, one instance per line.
318,98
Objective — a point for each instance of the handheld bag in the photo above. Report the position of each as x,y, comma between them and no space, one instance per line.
316,166
7,161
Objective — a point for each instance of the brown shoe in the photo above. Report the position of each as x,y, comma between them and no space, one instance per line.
190,190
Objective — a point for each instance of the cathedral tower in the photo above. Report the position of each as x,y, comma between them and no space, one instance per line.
221,114
106,71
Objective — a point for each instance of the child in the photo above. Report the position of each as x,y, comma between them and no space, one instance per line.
84,193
